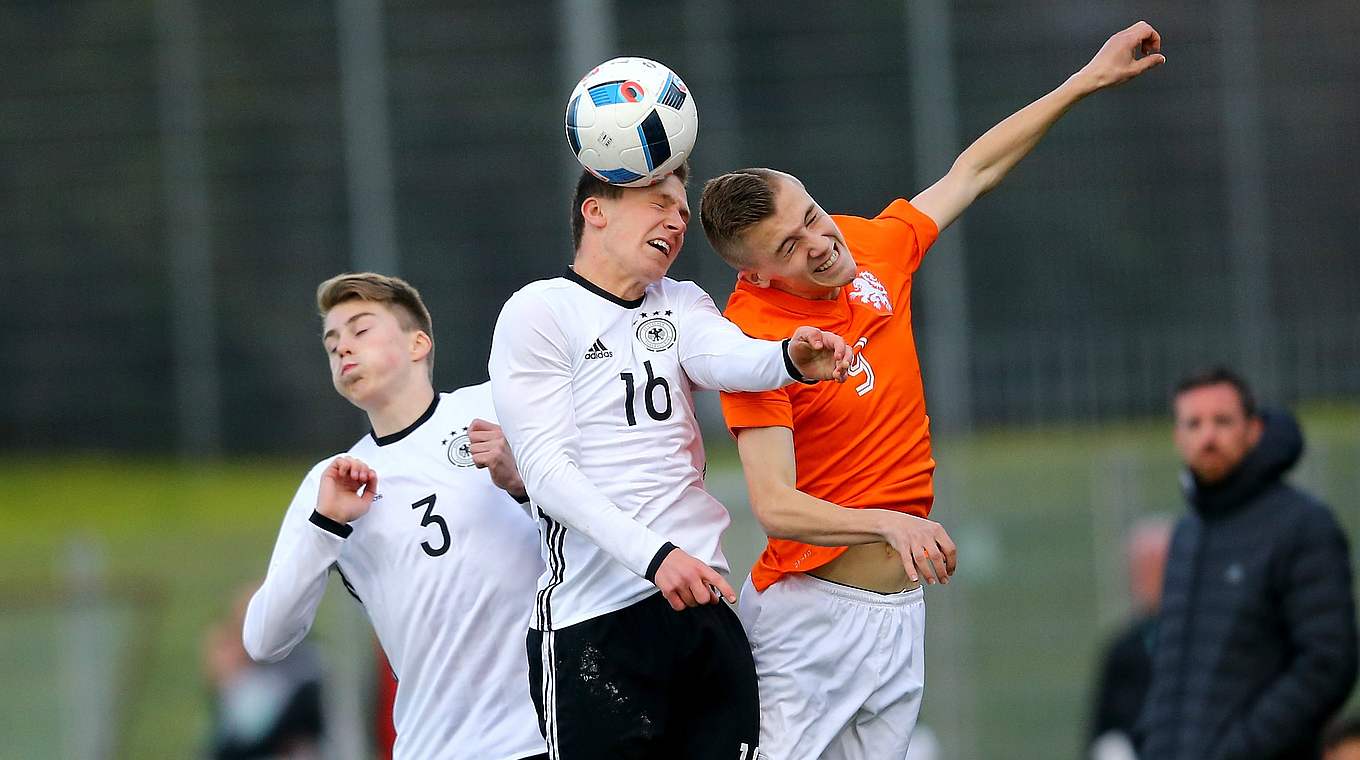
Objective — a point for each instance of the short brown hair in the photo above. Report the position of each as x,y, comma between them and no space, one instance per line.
393,292
732,204
590,186
1218,375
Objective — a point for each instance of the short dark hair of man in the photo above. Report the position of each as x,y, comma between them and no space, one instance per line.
1218,375
588,186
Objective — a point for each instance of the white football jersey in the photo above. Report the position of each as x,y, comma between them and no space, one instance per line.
444,564
595,395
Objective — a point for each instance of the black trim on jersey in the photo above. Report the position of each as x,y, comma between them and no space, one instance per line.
553,535
657,559
330,526
521,499
789,365
350,588
383,440
601,292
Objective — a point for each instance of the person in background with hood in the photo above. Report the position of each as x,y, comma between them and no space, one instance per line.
1256,646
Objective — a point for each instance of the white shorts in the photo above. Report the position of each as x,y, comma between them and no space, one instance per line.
841,669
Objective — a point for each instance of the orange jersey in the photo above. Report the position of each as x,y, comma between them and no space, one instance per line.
865,442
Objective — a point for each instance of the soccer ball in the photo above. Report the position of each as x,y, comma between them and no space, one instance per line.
631,122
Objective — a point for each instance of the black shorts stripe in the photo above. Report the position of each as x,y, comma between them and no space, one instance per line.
554,533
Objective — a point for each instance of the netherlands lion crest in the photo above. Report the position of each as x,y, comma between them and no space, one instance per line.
867,289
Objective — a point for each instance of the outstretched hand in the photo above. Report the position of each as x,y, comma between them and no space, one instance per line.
819,355
340,498
1124,56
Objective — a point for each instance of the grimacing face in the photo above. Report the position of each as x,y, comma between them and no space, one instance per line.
1213,432
368,350
645,227
799,248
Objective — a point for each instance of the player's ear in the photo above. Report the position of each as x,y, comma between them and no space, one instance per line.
421,345
754,278
592,210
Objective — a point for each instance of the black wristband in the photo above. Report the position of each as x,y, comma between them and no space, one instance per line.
789,365
660,557
330,526
521,499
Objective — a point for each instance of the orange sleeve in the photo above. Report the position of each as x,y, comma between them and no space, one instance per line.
762,409
901,234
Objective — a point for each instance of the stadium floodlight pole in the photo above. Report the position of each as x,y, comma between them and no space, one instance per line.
944,280
368,147
346,703
711,71
197,388
944,291
1244,174
587,38
86,672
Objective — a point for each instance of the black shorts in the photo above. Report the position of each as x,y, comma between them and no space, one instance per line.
647,682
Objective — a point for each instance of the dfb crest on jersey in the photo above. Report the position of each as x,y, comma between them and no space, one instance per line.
656,332
460,448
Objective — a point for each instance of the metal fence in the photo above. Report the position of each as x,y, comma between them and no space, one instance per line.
178,175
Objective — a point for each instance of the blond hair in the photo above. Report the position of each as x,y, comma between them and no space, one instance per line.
396,294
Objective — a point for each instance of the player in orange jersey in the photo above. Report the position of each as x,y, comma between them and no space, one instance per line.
840,475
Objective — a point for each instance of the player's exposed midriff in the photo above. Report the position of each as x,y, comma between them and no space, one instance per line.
875,567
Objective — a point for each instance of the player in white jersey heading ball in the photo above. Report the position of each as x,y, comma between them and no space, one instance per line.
440,555
633,653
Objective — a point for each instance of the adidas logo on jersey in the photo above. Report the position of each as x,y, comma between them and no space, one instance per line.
597,350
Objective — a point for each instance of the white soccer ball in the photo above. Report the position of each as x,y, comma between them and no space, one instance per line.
631,122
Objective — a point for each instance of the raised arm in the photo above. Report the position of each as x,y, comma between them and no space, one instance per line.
991,157
785,512
314,531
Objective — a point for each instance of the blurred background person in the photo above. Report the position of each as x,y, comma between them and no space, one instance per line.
1256,642
1126,665
260,710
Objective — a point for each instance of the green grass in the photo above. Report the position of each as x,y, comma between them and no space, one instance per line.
1011,644
176,542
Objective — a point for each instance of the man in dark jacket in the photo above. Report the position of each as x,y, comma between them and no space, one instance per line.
1257,641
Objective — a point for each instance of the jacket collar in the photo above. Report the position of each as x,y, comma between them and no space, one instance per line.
1275,454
